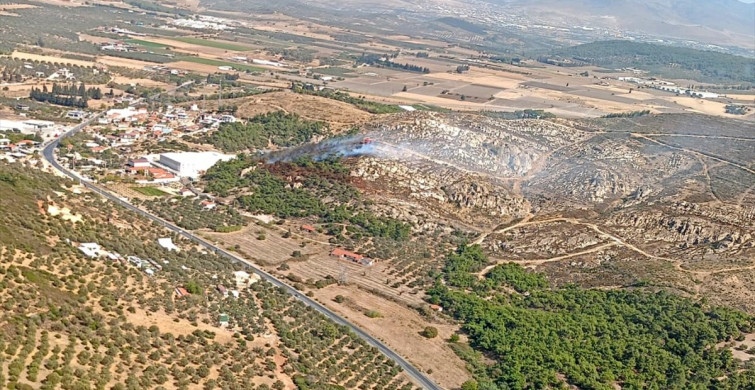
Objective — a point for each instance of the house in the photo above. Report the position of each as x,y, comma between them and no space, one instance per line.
130,136
355,257
76,114
228,118
181,292
436,308
344,254
208,205
22,107
136,261
223,319
308,228
26,143
186,192
139,163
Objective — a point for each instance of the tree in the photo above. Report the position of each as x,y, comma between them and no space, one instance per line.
470,384
430,332
403,89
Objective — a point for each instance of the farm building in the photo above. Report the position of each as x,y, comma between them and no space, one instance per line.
355,257
308,228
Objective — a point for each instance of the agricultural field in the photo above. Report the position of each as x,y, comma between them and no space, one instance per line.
218,63
211,43
149,191
144,43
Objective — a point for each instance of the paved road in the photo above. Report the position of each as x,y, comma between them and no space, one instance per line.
49,154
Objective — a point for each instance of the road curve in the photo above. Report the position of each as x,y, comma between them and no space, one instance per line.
49,154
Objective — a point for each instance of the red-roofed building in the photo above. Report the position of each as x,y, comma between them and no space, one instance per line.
181,292
26,143
308,228
344,254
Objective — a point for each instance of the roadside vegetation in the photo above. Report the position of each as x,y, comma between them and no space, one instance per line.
192,214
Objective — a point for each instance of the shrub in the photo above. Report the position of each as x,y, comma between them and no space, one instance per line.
430,332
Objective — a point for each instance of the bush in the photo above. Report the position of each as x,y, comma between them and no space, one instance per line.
430,332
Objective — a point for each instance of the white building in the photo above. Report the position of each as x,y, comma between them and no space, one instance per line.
91,249
192,164
167,243
703,95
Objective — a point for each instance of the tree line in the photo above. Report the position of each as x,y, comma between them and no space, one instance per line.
376,59
66,95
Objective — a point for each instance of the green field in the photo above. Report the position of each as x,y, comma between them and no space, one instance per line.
336,71
149,191
209,61
146,43
215,44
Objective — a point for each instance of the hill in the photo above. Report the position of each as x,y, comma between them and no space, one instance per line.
116,321
665,61
723,22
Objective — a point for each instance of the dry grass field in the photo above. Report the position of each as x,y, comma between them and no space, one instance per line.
400,328
338,114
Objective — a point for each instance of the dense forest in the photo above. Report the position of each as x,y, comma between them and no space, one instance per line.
277,128
545,337
267,189
665,61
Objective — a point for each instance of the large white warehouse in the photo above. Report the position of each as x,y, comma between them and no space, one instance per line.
192,164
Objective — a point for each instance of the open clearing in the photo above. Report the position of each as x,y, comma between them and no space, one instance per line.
315,108
149,191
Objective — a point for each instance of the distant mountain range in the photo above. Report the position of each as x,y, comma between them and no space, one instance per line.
719,22
722,22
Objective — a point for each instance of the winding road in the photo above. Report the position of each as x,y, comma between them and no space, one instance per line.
49,154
